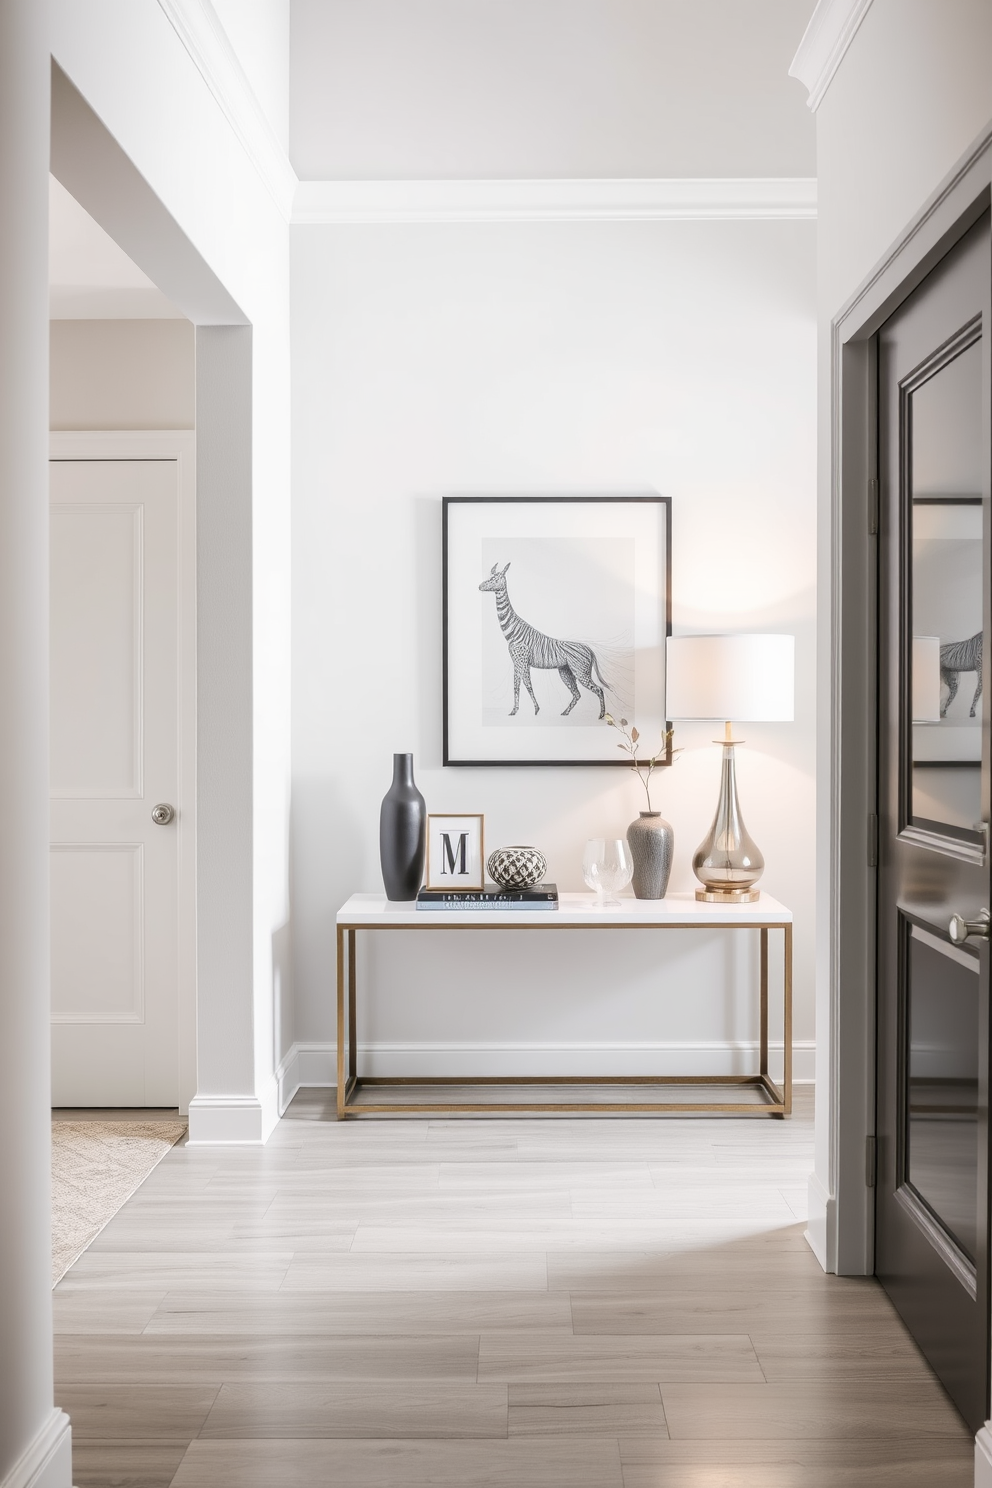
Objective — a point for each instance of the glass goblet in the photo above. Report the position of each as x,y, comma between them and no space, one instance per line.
607,867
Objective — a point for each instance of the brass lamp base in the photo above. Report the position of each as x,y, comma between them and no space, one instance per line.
728,896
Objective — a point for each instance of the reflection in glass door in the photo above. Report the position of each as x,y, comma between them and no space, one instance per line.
940,1112
944,416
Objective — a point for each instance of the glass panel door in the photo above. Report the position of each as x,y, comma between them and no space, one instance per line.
943,414
934,598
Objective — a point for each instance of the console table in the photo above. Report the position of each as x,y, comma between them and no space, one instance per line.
373,913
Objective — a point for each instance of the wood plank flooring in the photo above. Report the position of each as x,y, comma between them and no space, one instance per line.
431,1303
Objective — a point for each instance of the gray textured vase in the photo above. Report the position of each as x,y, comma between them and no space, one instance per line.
402,833
652,847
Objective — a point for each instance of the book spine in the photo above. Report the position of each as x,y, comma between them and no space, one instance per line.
487,899
536,893
466,906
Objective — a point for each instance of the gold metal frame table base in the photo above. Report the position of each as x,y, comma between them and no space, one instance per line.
371,912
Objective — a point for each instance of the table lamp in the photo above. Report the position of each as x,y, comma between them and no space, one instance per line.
926,679
750,679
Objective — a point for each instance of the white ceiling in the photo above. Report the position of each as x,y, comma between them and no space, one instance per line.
547,89
89,277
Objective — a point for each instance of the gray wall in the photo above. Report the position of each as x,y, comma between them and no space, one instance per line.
122,374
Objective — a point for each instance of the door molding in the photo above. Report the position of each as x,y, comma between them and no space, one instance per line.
842,1215
178,445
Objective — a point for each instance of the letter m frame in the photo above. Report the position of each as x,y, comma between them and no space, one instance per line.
456,857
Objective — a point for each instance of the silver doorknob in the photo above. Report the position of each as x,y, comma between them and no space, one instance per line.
959,928
163,814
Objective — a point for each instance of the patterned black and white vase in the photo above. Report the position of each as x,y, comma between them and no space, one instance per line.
402,833
517,867
652,846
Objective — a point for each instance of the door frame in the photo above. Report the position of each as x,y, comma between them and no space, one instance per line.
178,445
846,1242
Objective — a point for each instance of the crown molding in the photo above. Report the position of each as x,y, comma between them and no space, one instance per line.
196,24
830,32
330,203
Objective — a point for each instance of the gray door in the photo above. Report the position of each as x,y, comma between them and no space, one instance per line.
932,1192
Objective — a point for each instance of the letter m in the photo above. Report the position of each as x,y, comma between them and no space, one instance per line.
451,855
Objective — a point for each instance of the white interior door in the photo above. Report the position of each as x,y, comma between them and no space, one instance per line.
115,670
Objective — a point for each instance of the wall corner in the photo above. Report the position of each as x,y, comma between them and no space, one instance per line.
47,1463
821,1228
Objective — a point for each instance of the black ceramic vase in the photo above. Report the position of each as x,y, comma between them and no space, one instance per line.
652,842
402,833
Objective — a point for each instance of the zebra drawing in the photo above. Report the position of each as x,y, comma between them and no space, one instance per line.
573,661
957,657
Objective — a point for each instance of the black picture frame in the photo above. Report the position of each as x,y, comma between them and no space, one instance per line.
603,560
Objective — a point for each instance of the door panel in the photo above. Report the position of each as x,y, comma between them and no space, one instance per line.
98,912
941,1106
96,651
115,714
932,1195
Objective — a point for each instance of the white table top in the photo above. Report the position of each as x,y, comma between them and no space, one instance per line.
368,910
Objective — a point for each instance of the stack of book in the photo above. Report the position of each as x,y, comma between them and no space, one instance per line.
538,896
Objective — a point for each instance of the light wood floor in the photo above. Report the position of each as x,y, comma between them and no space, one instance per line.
529,1304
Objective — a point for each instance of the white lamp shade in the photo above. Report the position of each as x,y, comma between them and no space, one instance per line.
743,678
926,679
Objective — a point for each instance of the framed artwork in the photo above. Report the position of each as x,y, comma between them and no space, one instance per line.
947,612
456,854
556,612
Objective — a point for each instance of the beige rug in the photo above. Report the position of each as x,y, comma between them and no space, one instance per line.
96,1166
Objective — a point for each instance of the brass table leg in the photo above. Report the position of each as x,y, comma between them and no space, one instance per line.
764,1001
787,1031
352,1014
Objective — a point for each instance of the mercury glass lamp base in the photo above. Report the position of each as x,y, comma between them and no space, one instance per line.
728,862
728,896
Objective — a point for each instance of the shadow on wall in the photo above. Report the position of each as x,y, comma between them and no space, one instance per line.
330,853
283,1021
428,626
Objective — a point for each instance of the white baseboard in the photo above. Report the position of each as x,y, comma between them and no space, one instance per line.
287,1078
983,1457
268,1099
231,1119
47,1463
820,1227
315,1064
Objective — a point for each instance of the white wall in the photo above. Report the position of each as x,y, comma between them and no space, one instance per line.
606,356
122,374
912,92
157,103
675,357
35,1446
545,88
